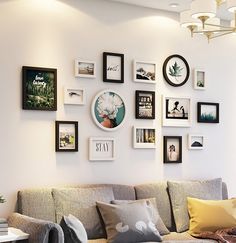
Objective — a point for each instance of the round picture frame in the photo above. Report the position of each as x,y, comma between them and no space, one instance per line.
176,70
108,110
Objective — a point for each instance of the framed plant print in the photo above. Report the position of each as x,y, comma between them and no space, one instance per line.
199,79
108,110
208,112
144,137
101,149
145,72
176,70
195,141
172,149
113,67
74,96
145,104
85,69
66,136
176,111
39,87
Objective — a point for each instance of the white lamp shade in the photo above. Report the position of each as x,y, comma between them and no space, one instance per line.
206,8
231,5
187,20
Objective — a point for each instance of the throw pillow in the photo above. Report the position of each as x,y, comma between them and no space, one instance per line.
74,231
211,215
156,218
81,202
129,222
180,190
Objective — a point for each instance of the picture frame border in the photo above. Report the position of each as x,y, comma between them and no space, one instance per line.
144,81
24,93
137,92
75,88
105,79
217,105
76,69
91,156
176,122
165,139
57,127
195,70
144,145
190,135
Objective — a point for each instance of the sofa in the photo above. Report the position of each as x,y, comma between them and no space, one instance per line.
37,209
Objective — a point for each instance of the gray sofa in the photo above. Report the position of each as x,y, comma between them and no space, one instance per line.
37,210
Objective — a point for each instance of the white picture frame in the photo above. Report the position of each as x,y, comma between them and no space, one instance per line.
176,111
74,96
85,69
142,136
199,79
196,141
145,71
101,149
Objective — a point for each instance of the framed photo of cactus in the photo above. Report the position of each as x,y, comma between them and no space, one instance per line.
108,110
199,79
176,70
39,86
208,112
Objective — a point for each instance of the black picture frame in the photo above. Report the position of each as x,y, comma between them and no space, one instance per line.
63,141
113,67
39,88
208,112
172,70
144,104
172,149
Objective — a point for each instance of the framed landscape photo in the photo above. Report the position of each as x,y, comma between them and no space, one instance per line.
113,67
208,112
145,104
144,137
74,96
176,111
199,79
101,149
85,69
108,110
145,72
66,136
195,141
39,88
172,149
176,70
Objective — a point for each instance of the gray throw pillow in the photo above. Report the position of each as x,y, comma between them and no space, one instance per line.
129,222
154,212
180,190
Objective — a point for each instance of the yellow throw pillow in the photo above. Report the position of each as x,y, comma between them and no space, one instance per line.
211,215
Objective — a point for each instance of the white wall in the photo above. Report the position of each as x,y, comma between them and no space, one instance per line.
51,33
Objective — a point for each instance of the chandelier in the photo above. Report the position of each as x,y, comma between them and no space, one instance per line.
201,18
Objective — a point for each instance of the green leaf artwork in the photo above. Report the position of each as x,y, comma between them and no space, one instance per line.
175,70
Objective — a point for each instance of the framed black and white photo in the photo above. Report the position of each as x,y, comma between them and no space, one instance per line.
144,104
74,96
144,137
145,72
113,67
208,112
85,69
66,136
176,70
199,79
101,149
176,111
39,88
172,149
195,141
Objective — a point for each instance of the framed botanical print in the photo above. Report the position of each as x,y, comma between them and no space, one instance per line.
172,149
74,96
196,141
39,88
66,136
113,67
145,104
199,79
144,137
208,112
85,69
176,70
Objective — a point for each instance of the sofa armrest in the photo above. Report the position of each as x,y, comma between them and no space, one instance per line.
40,231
